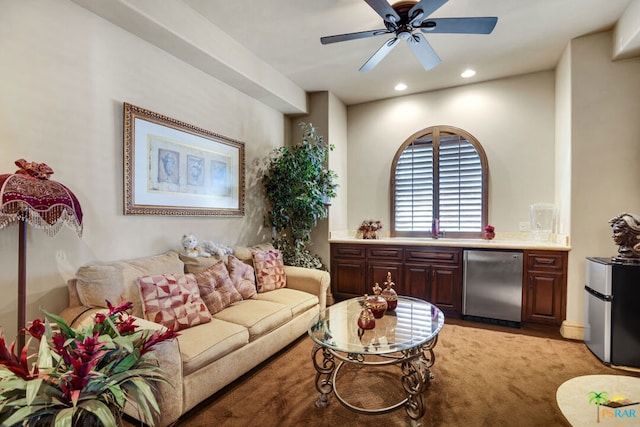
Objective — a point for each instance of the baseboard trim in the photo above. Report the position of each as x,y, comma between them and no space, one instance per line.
572,331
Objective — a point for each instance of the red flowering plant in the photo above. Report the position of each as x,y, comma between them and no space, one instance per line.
81,376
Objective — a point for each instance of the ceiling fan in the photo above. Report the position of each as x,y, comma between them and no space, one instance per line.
403,18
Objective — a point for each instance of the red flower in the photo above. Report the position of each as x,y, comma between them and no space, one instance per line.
157,337
36,329
16,365
122,308
489,228
126,327
100,318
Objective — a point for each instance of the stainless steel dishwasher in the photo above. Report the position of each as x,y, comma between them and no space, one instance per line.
492,285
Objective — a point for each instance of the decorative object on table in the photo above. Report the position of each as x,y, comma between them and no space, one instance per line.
174,168
376,303
489,232
29,196
626,234
369,228
389,294
298,187
82,377
366,319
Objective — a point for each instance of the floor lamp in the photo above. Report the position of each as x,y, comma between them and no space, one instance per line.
29,196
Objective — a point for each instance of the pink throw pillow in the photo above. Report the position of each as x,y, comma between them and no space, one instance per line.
269,269
216,287
243,277
172,300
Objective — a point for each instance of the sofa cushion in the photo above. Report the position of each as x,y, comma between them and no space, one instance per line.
222,338
172,300
216,287
259,317
297,301
243,277
269,269
197,264
116,281
245,253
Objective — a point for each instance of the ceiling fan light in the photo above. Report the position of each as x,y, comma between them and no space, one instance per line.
468,73
400,86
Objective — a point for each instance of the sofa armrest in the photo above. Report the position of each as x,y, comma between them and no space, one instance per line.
309,280
169,395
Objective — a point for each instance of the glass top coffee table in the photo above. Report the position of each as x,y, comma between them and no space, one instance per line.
405,336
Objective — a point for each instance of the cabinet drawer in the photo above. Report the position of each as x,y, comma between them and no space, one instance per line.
347,251
385,252
553,261
435,255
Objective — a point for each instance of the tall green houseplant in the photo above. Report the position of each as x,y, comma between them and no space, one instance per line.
298,186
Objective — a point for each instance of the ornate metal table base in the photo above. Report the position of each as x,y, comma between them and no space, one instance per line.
415,364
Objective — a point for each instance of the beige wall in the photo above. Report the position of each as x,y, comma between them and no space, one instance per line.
512,118
605,153
563,143
64,76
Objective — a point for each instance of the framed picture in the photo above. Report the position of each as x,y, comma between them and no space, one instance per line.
173,168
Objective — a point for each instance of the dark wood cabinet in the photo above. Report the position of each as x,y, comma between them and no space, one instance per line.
348,268
446,288
545,287
430,273
382,260
435,274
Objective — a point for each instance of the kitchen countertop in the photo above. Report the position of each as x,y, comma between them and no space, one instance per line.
497,243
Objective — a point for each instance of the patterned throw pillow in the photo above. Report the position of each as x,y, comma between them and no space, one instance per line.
269,270
172,300
243,277
216,288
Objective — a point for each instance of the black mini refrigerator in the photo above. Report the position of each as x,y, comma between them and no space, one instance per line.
612,311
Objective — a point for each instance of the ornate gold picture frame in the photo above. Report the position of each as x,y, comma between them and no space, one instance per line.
174,168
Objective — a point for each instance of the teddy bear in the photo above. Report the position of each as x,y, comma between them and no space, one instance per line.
191,248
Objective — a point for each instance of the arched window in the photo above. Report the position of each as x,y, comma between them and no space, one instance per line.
439,173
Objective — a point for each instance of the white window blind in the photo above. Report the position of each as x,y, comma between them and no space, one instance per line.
460,189
450,189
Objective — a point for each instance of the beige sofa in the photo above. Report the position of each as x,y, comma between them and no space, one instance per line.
207,357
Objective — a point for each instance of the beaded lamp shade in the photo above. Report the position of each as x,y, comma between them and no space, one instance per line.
29,196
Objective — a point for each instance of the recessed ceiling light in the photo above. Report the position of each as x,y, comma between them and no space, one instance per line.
400,86
468,73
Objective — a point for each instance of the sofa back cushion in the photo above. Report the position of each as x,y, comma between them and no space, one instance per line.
172,300
216,288
116,281
269,270
243,277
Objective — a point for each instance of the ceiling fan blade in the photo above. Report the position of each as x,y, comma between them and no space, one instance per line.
352,36
423,50
422,9
384,9
380,54
478,25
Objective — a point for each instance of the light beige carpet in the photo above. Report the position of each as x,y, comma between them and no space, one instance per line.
600,400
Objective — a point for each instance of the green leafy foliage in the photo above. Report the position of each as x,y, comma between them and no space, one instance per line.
298,186
81,377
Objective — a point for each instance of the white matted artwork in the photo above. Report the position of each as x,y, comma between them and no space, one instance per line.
173,168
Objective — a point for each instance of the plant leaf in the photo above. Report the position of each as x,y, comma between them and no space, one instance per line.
33,387
64,418
100,410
